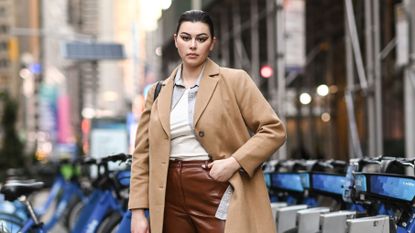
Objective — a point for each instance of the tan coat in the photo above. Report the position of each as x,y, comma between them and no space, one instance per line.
228,104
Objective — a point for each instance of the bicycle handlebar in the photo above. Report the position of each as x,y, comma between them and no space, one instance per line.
117,157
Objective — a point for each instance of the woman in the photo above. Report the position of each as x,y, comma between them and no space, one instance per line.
196,165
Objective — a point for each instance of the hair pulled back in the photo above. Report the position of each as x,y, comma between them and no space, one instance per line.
196,16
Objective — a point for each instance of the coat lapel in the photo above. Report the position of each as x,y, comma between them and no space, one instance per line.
164,102
207,87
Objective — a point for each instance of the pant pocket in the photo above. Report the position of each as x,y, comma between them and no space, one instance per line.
218,187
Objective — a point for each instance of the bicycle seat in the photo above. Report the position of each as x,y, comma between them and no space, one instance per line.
12,180
14,189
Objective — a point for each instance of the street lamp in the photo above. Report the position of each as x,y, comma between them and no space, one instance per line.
322,90
305,98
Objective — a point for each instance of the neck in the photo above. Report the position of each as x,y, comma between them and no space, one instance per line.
190,74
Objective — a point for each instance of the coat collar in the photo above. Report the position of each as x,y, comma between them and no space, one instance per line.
207,87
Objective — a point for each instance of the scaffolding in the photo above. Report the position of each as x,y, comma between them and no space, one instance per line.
352,46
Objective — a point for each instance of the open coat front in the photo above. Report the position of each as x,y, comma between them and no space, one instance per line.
228,107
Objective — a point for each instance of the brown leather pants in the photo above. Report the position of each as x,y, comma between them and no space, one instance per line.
192,198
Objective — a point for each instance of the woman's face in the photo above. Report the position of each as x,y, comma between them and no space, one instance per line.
194,42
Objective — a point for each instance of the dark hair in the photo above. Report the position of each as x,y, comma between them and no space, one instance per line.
196,16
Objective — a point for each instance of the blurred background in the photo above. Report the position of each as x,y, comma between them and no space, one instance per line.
73,73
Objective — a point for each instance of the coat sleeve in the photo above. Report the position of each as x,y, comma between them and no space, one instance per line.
269,132
138,196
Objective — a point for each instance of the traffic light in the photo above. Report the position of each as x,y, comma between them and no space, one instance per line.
266,71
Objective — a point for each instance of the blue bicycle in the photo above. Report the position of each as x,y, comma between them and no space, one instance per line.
103,209
21,189
106,206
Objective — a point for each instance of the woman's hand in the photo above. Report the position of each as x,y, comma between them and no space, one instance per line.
222,170
139,223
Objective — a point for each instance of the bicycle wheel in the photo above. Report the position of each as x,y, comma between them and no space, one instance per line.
10,223
110,223
72,213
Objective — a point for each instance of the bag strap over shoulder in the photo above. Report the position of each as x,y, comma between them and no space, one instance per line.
159,85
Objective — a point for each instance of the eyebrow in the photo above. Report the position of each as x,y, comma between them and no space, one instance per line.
201,34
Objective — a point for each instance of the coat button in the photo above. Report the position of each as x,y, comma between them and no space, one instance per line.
201,134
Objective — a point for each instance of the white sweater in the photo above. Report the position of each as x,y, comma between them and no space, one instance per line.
184,145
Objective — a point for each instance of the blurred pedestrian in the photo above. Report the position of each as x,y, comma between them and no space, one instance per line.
200,145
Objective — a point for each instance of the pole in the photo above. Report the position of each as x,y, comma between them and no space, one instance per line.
371,119
354,144
254,42
280,71
352,31
378,77
224,29
409,83
270,24
237,45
